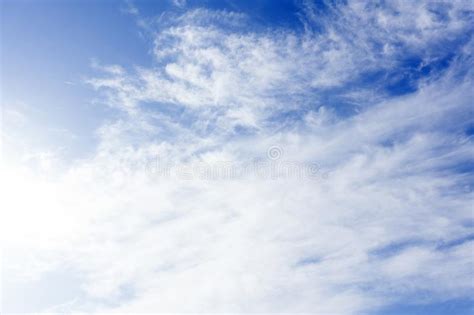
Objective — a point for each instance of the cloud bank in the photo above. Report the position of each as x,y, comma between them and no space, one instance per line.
376,97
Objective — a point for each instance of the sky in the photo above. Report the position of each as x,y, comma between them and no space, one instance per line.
227,156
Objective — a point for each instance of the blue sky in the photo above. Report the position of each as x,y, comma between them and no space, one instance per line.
49,47
243,156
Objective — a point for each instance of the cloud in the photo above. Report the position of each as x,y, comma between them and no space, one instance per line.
179,3
242,77
141,241
129,7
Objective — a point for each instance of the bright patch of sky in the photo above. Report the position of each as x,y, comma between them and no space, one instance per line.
237,156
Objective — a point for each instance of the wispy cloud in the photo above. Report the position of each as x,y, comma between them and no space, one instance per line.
222,92
129,7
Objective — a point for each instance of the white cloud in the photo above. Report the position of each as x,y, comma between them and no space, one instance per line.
243,77
129,7
142,242
179,3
